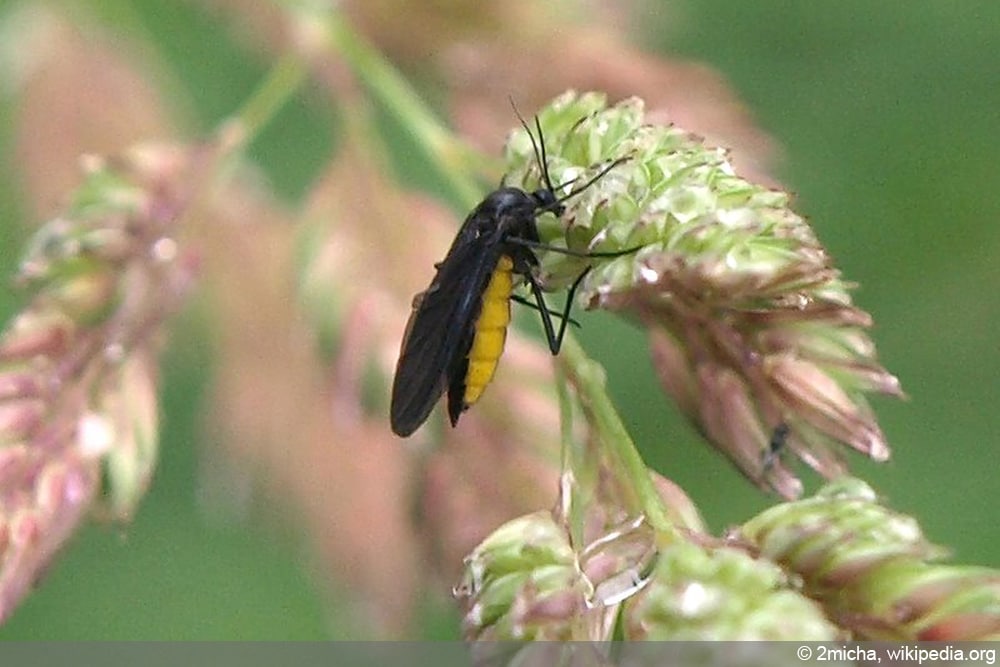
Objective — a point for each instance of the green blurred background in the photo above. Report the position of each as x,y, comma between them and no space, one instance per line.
889,119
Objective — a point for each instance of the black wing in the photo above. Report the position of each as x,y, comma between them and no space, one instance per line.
439,327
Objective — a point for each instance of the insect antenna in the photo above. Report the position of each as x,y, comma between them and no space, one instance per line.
540,154
593,179
542,158
544,163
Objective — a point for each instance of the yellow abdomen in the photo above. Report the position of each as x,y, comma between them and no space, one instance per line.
491,331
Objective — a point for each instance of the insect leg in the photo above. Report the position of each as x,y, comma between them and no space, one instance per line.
530,304
555,339
538,245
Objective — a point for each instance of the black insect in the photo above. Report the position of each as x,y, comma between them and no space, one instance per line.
776,445
456,332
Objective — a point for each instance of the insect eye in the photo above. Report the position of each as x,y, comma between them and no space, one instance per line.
545,198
